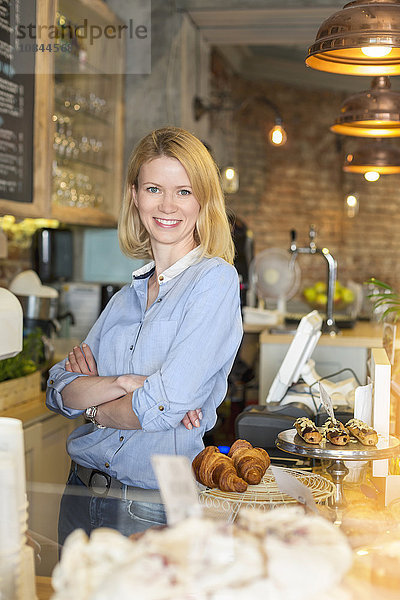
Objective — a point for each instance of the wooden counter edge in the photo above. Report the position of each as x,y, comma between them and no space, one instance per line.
44,589
29,412
363,335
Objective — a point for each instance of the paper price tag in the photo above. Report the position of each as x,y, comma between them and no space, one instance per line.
290,485
363,403
327,402
177,486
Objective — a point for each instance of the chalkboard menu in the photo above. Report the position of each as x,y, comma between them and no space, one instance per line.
17,84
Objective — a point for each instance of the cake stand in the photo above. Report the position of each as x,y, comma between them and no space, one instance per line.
387,446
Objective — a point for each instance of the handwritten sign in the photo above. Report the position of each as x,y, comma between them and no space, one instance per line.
177,486
290,485
326,401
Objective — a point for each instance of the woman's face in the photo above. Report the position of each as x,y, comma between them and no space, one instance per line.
166,204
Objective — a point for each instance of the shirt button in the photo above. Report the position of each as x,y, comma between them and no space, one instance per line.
159,300
107,465
121,439
161,278
130,347
51,381
161,408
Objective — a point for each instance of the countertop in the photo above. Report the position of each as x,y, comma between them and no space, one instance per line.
363,335
29,412
35,410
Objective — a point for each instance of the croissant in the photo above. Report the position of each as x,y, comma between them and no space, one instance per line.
213,469
250,463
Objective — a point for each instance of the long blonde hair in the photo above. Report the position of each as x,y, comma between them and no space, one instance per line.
212,228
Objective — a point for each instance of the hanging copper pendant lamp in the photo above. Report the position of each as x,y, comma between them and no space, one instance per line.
377,157
361,39
373,113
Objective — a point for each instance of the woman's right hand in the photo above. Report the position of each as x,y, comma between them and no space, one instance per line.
192,418
81,361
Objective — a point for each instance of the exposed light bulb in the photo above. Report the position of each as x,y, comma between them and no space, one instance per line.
277,136
371,175
376,51
351,200
230,180
351,205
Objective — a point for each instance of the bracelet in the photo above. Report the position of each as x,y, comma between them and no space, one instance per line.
90,415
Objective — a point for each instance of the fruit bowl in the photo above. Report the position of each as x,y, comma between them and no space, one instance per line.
316,296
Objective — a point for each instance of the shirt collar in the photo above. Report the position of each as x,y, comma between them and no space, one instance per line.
174,270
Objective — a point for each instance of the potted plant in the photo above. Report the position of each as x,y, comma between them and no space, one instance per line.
20,376
385,300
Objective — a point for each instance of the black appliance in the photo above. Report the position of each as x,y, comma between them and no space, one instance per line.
107,292
244,253
52,254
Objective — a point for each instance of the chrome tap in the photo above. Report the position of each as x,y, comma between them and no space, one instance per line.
329,325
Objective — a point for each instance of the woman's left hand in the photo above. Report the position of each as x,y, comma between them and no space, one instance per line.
81,361
192,418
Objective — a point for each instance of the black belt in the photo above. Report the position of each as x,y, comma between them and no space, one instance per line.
103,485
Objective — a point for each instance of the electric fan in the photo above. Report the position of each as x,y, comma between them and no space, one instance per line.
275,277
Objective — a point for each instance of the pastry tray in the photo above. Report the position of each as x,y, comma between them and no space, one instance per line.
266,495
290,441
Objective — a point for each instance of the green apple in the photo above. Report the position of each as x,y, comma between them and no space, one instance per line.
337,296
347,296
310,294
320,287
338,286
321,299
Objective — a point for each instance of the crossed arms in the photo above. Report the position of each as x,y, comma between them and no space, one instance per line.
112,395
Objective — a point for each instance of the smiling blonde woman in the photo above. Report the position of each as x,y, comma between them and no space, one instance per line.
153,369
212,230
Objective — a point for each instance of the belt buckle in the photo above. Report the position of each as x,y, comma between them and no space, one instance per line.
97,487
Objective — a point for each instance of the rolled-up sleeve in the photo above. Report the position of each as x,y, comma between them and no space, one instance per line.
59,377
202,352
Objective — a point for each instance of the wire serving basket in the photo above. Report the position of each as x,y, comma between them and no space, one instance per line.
266,495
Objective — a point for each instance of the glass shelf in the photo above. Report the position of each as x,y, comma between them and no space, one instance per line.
68,162
81,113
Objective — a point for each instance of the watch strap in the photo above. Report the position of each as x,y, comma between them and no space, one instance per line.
90,415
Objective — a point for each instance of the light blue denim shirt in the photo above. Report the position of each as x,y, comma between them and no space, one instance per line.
185,343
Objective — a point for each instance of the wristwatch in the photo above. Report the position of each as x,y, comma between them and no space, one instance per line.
90,415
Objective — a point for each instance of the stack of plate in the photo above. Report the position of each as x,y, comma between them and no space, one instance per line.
16,558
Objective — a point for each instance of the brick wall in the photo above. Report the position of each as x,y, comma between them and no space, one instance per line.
290,187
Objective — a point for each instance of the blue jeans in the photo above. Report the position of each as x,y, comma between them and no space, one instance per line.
81,509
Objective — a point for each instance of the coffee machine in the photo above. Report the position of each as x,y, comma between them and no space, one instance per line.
39,302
